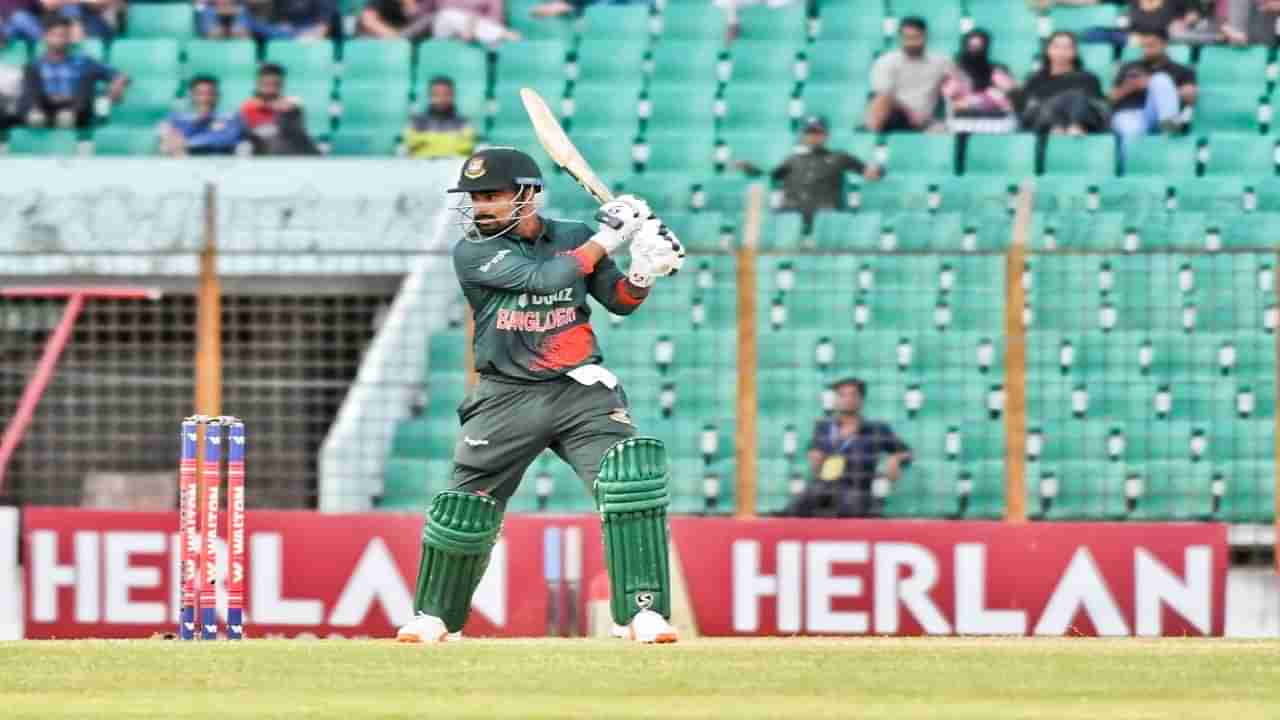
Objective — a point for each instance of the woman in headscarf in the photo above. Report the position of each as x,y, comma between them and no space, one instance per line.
977,87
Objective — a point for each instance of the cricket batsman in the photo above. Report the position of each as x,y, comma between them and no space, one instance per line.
541,386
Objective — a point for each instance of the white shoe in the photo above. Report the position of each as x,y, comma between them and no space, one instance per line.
647,627
426,629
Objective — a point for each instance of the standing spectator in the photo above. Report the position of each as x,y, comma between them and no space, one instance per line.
440,131
1251,22
467,20
813,177
977,90
202,130
1173,17
907,82
273,122
298,19
225,19
1148,95
59,87
1062,97
843,455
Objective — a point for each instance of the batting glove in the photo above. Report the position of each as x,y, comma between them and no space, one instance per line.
619,219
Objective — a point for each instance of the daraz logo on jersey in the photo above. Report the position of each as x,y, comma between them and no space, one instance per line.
525,299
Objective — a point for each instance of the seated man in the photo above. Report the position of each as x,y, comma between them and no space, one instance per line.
843,455
440,131
59,88
20,21
1149,94
300,19
273,122
202,130
813,176
223,19
907,83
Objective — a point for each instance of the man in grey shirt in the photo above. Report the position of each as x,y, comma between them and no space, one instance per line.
907,82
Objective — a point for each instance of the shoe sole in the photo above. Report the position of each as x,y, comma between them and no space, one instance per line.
418,639
659,639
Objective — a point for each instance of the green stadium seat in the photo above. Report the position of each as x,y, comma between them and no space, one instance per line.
691,152
615,23
847,231
112,140
175,22
373,109
862,145
1093,155
610,60
691,65
466,65
678,110
699,23
764,150
565,198
661,188
1218,195
1099,59
858,24
14,53
983,196
726,193
836,63
363,143
152,57
1013,155
783,231
927,154
1079,19
1249,492
700,232
1229,110
916,232
1222,66
1019,53
224,59
987,490
764,63
520,18
1246,232
1087,490
1240,155
892,194
147,101
383,63
1178,52
410,483
926,489
1002,18
317,105
447,351
608,155
843,107
303,60
756,108
1160,156
1079,231
536,64
26,141
945,19
509,112
786,25
425,438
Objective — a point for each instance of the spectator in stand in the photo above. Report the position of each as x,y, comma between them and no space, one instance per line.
560,8
298,19
225,19
202,130
1149,95
10,90
1062,97
977,90
844,455
273,122
1251,22
730,7
907,83
467,20
1174,17
813,176
440,131
59,88
20,20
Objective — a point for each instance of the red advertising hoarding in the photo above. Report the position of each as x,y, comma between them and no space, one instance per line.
113,574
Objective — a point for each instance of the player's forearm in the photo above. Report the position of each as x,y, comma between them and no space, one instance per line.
625,296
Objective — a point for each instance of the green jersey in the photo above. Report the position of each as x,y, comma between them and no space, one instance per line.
529,300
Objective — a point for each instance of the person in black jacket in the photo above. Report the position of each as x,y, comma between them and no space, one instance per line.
1062,97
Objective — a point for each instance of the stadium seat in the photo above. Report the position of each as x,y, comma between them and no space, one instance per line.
410,483
1222,66
303,61
945,20
446,351
835,63
152,57
926,489
1019,53
1229,109
1087,490
1099,59
527,63
1240,155
700,23
910,153
521,19
173,22
786,25
25,141
1080,19
857,24
605,60
373,109
466,65
662,186
1093,155
1000,155
726,193
699,232
509,110
1160,156
1249,492
691,152
227,60
608,154
986,491
756,108
843,107
763,63
783,231
112,140
1002,18
690,65
384,63
1178,52
148,100
764,150
424,438
678,110
605,110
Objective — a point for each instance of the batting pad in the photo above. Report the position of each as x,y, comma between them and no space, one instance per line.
631,492
460,532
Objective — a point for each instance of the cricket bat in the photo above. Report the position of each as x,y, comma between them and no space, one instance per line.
560,147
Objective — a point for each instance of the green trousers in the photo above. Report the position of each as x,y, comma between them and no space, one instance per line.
506,424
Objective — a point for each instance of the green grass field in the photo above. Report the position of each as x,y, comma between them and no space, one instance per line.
792,678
